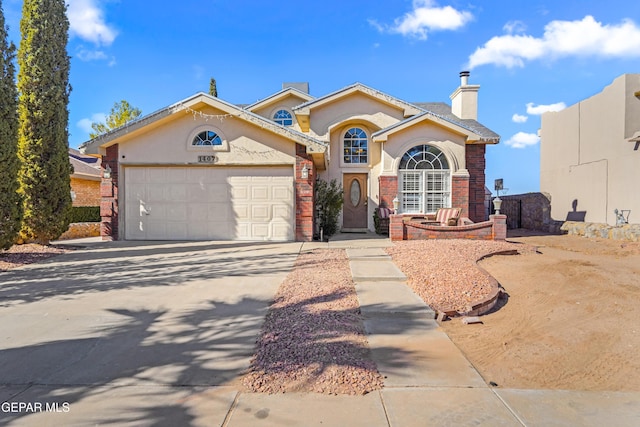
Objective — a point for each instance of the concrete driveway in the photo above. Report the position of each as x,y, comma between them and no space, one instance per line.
123,333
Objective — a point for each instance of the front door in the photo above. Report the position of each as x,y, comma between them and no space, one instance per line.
354,210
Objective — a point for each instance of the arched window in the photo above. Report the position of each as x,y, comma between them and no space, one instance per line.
425,180
355,146
283,117
206,138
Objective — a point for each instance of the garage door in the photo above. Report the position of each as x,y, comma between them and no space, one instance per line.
208,203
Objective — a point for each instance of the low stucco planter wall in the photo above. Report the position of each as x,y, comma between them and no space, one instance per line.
80,230
629,232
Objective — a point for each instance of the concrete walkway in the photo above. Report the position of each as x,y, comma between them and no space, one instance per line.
173,369
428,381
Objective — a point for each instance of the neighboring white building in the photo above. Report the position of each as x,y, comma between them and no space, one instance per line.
590,155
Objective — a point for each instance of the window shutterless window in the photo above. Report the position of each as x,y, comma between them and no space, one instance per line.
206,138
425,180
283,117
355,146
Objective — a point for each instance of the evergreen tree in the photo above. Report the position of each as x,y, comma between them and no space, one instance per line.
10,207
213,89
43,147
121,114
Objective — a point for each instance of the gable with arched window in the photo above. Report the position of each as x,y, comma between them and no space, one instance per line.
425,180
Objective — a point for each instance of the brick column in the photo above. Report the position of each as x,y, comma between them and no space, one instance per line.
388,190
396,227
304,188
475,162
109,196
460,194
499,231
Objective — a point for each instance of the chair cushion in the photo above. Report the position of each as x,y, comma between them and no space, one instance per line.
384,212
448,216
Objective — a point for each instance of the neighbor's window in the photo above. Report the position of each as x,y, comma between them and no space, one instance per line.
425,180
355,146
205,138
283,117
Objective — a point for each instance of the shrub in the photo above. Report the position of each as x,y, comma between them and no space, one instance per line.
329,200
84,214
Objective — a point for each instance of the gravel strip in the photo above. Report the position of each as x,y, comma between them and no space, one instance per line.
444,273
313,338
19,255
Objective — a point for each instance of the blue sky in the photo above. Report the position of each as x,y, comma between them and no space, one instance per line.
527,56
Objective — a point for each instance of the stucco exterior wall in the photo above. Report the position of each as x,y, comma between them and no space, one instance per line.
587,164
356,106
246,144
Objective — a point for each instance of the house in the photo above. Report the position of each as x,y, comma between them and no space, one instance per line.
204,168
85,179
590,155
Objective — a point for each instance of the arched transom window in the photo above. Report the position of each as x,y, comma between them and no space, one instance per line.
283,117
425,180
355,146
206,138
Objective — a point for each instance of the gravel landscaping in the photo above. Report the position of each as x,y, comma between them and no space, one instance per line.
444,273
313,338
19,255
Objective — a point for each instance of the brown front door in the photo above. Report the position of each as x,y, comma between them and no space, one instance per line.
354,210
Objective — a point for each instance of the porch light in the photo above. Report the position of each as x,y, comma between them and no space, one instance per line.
107,172
304,172
497,204
73,195
396,204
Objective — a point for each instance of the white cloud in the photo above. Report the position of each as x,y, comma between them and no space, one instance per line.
522,140
587,38
513,27
518,118
85,124
426,16
86,20
536,110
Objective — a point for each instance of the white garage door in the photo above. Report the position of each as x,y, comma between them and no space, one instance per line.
208,203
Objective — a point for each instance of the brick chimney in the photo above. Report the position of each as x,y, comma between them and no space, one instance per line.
464,100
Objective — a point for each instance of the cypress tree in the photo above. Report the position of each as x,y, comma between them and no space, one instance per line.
213,88
43,147
10,207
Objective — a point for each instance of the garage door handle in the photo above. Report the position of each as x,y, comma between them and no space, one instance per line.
144,210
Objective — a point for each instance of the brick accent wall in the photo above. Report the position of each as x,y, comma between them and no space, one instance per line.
109,196
388,190
402,229
87,192
460,194
304,196
475,160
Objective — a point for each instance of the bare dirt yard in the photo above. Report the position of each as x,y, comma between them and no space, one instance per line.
571,319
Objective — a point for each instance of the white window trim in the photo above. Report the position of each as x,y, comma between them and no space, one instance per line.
363,166
275,110
222,147
423,199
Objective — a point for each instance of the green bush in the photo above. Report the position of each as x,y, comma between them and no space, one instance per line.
329,200
84,214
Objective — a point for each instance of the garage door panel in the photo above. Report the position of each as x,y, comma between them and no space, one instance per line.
280,193
260,192
280,231
197,203
261,212
282,213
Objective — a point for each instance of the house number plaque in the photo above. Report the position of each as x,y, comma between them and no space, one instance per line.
207,159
